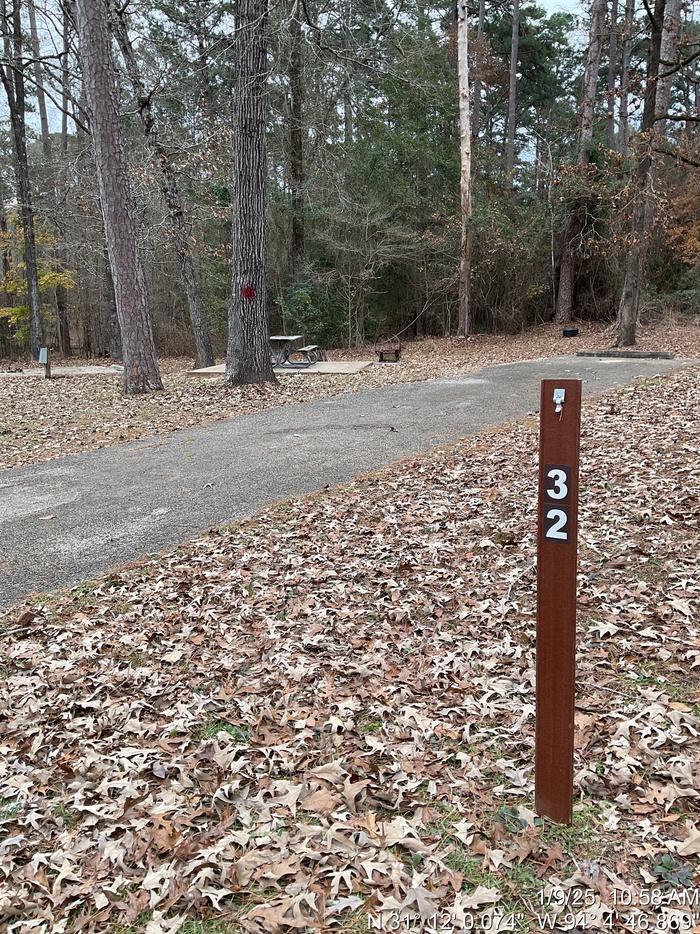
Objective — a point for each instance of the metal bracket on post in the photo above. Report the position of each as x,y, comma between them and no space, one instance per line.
45,360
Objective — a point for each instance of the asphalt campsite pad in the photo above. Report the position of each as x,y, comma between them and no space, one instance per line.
276,729
74,517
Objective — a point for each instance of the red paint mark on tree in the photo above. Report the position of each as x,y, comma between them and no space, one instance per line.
248,291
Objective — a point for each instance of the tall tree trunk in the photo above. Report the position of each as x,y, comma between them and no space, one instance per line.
205,72
6,349
348,123
12,75
625,78
65,79
61,306
664,36
171,193
612,76
669,56
6,260
61,186
114,333
60,292
478,81
590,80
5,298
465,180
248,359
348,116
509,158
141,372
39,82
574,227
296,139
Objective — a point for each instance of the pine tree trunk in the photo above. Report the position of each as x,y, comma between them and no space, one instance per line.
248,358
12,75
61,185
625,78
590,81
575,223
512,94
39,82
65,79
171,193
669,56
60,292
478,82
296,140
612,76
348,122
6,265
636,254
465,182
114,333
348,116
141,372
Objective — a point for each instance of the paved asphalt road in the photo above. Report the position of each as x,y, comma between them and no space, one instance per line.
120,503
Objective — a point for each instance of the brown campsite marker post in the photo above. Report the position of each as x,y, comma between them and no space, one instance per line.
560,429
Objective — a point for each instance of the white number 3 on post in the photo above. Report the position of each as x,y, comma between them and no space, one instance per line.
561,480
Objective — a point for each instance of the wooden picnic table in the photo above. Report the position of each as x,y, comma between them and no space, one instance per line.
283,346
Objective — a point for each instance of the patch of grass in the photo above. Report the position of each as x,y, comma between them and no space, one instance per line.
136,927
460,858
69,818
443,826
8,808
511,819
516,884
680,691
84,591
525,880
580,836
369,724
203,926
462,861
356,923
210,927
211,731
645,382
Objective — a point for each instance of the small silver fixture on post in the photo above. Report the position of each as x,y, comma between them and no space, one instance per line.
45,361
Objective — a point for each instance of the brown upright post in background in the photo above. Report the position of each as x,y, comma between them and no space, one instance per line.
560,427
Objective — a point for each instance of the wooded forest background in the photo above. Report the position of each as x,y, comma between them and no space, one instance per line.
568,212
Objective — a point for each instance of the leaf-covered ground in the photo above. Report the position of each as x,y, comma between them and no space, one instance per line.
42,419
323,718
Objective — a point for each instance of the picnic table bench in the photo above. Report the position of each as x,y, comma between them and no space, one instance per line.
284,347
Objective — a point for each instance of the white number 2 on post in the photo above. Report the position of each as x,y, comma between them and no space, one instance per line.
556,525
557,489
